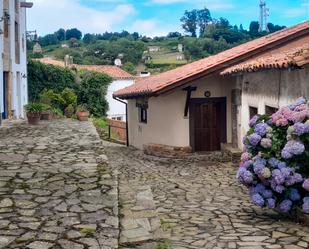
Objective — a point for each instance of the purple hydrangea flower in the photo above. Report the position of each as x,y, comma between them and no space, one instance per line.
273,162
267,193
261,129
286,205
286,172
294,194
271,203
258,200
258,189
254,139
278,177
277,188
306,184
298,102
301,128
292,148
244,176
253,121
306,205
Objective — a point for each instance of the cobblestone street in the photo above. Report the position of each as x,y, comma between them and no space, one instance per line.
60,186
55,188
199,205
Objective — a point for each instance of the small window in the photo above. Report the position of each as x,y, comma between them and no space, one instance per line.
119,118
113,118
143,115
269,110
252,111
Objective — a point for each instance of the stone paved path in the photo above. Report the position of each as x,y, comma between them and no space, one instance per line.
56,190
200,205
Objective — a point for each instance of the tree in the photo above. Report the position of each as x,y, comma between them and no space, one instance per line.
135,35
203,19
60,34
50,39
129,67
274,28
254,29
190,22
89,38
73,33
174,35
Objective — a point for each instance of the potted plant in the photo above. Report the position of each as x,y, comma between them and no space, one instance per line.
69,111
34,111
82,113
57,113
46,114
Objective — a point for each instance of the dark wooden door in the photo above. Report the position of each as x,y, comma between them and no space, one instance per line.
209,125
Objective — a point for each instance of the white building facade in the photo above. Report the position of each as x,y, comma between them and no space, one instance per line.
117,110
13,62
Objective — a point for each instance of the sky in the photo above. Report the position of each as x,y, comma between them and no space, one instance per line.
152,17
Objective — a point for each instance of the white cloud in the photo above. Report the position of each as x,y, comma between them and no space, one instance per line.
213,5
48,15
151,27
295,12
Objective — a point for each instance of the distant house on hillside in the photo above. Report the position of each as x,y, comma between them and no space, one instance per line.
153,49
208,103
13,59
120,77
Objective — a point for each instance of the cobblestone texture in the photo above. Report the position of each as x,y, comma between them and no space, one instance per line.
202,206
56,190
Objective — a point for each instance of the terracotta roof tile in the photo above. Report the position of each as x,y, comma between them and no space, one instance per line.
292,57
156,84
113,71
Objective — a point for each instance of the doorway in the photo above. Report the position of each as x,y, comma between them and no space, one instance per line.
207,124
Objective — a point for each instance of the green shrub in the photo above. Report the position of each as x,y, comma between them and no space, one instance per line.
69,97
93,89
34,107
41,76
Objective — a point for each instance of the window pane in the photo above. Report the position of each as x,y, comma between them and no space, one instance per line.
270,110
252,111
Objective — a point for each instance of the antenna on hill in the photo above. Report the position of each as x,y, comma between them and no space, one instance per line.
264,14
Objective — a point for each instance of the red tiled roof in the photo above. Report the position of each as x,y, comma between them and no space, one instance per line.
291,58
157,84
113,71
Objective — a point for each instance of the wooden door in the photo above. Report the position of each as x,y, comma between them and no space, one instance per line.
209,125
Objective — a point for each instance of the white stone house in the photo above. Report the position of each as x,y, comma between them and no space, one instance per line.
203,105
13,62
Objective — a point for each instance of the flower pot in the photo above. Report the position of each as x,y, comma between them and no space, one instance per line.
68,113
33,118
82,116
46,116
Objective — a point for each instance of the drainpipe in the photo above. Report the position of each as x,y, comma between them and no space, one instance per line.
127,120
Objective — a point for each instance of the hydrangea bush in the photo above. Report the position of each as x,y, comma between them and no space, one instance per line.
275,162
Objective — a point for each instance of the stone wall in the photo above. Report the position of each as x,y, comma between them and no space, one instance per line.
167,151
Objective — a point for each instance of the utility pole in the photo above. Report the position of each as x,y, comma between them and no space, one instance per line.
264,13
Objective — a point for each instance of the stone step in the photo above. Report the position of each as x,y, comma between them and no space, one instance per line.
139,220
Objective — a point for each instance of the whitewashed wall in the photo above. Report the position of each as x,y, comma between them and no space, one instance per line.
275,88
166,122
1,63
19,71
117,109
